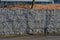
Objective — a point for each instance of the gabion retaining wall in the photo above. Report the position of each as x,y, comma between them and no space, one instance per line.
32,21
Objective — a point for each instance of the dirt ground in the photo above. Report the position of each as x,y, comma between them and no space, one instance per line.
36,6
32,38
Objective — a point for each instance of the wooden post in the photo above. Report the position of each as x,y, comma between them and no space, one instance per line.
32,4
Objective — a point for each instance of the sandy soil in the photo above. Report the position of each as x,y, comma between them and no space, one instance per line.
36,6
33,38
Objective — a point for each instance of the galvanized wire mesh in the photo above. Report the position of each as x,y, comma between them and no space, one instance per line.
31,21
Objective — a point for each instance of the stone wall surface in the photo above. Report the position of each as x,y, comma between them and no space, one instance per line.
32,21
